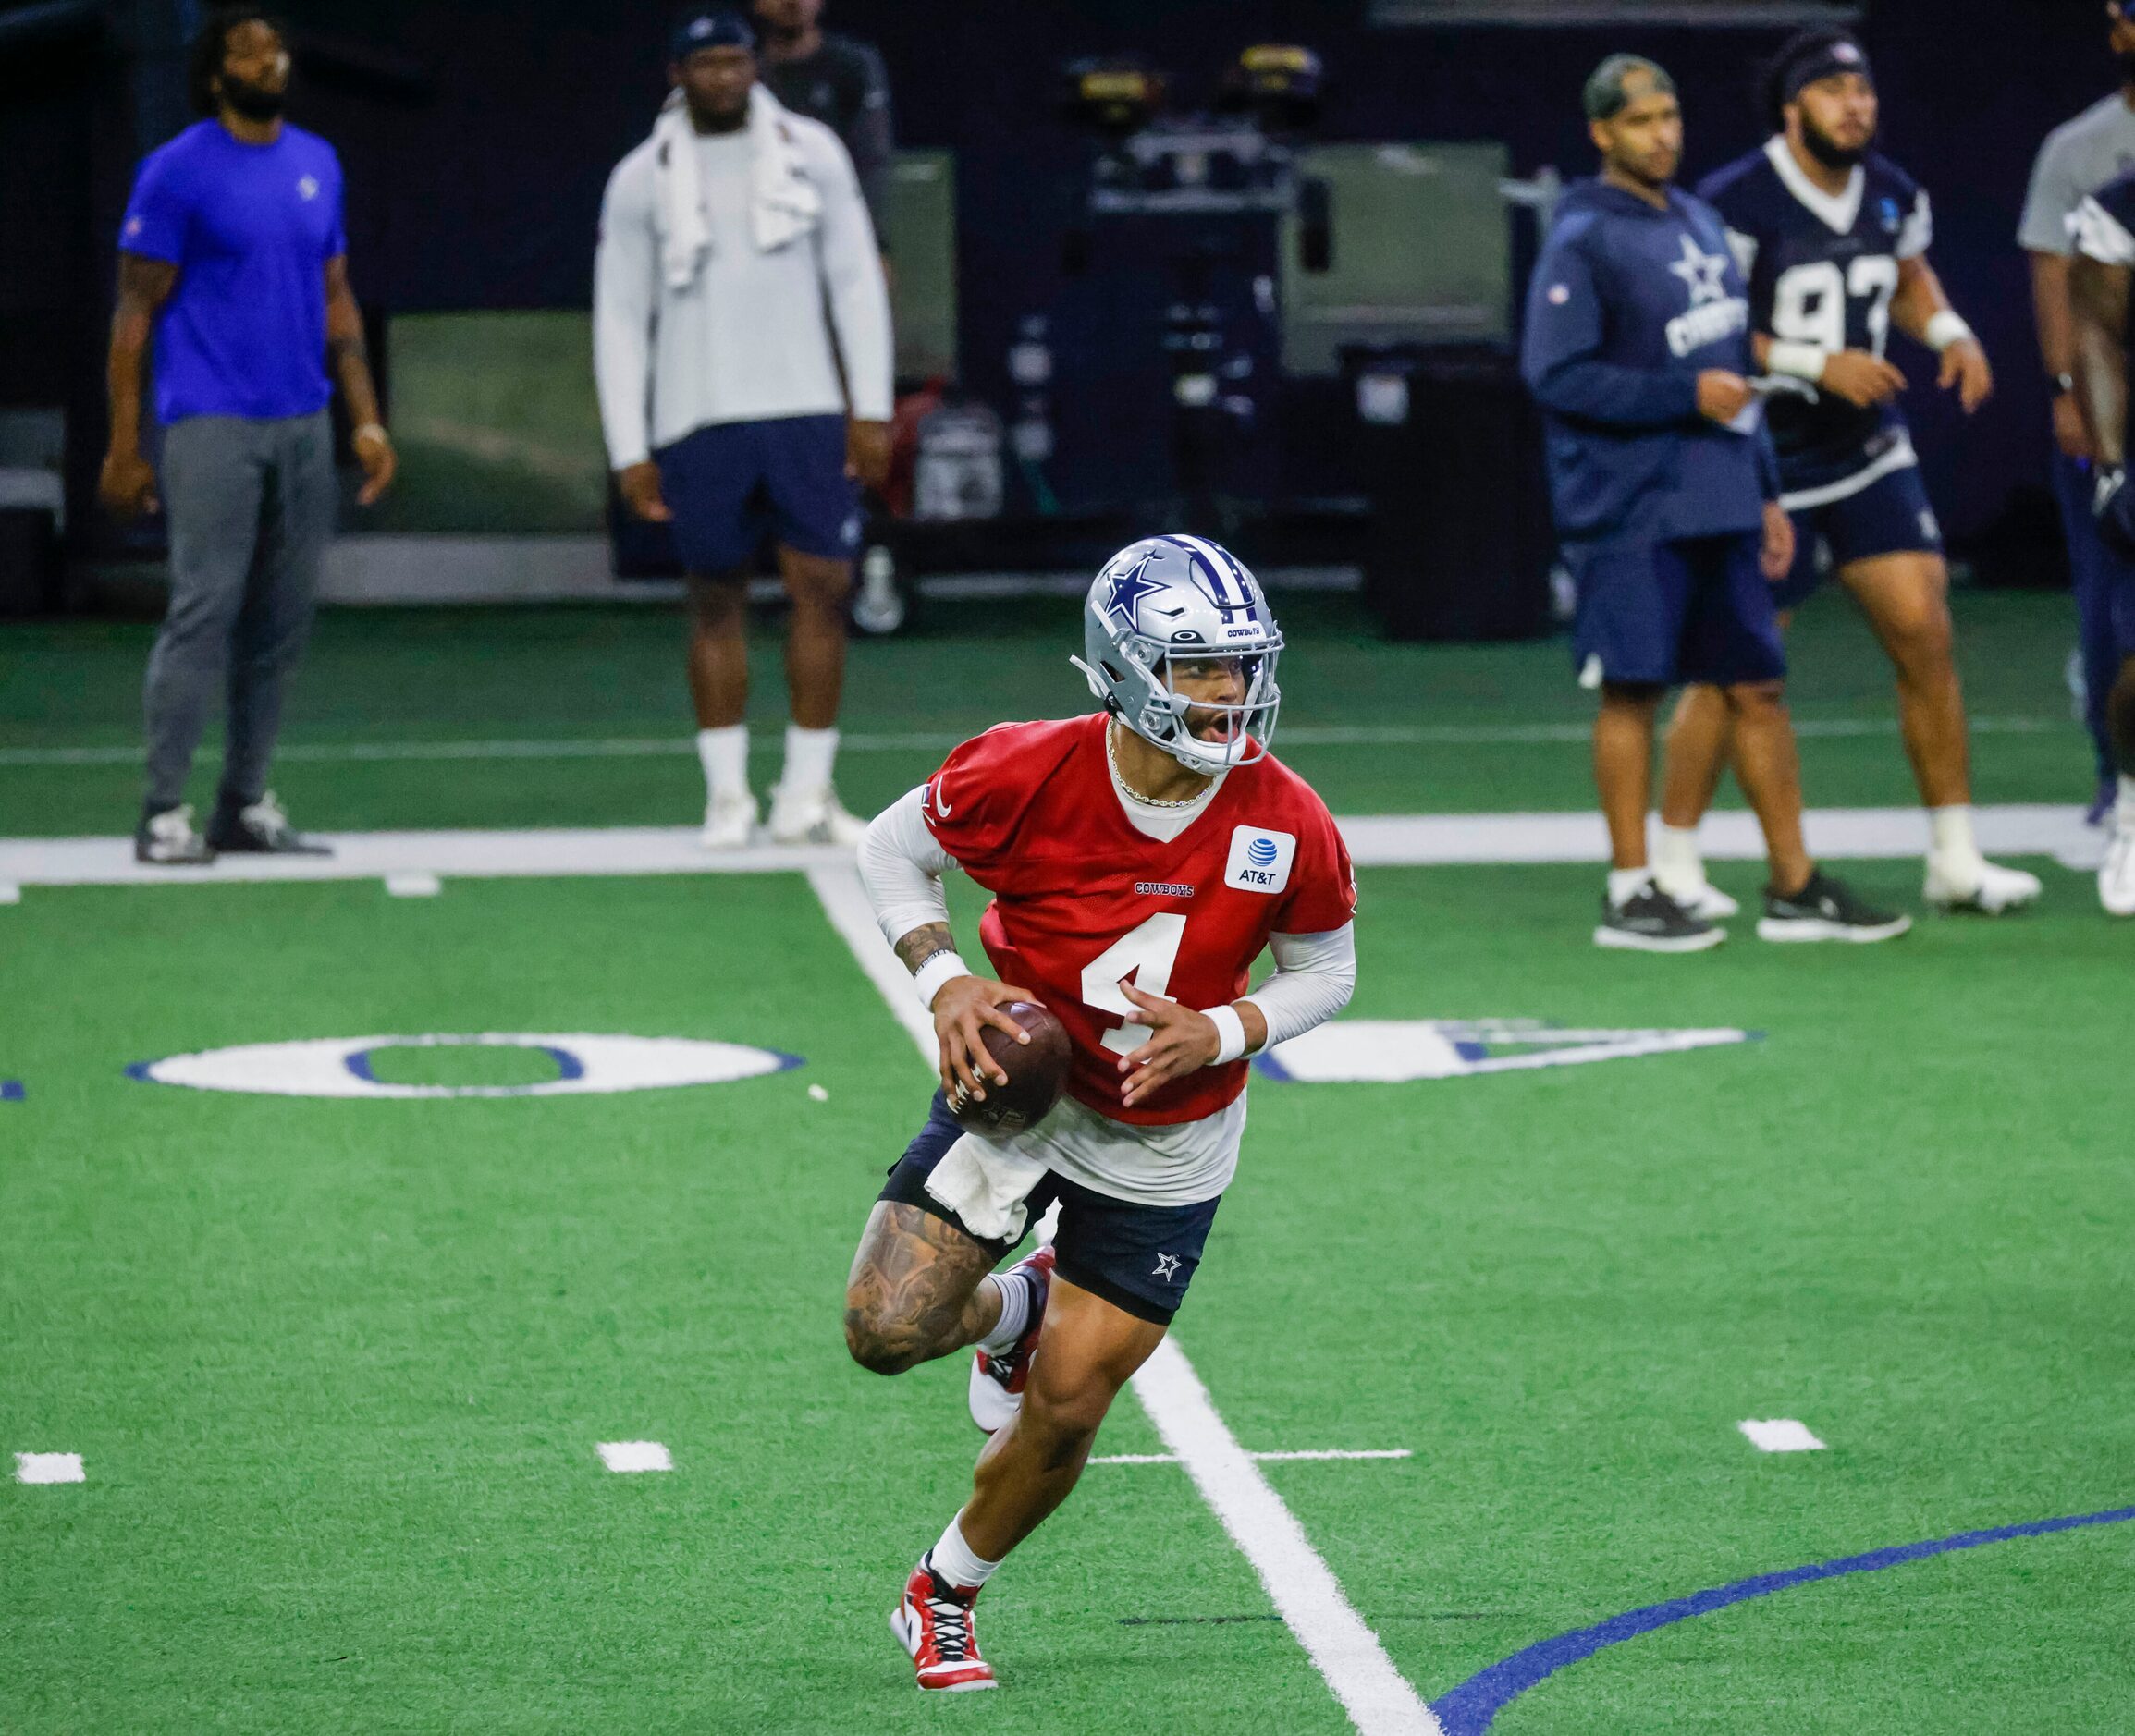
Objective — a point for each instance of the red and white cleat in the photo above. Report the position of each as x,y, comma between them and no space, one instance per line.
933,1623
996,1382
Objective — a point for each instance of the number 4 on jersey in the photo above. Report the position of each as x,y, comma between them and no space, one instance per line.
1146,955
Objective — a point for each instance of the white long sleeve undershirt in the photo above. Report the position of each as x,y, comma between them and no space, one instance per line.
902,865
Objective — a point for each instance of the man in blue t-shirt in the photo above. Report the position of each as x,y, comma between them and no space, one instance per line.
232,260
1665,492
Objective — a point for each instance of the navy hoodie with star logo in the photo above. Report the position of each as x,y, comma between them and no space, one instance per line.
1628,305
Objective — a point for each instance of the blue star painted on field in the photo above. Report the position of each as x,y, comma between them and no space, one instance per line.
1130,585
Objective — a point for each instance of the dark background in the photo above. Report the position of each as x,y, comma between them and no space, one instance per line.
478,136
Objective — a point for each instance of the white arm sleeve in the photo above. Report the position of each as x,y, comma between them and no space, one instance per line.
1315,975
901,866
859,297
625,291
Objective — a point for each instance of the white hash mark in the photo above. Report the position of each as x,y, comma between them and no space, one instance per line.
1780,1435
49,1468
635,1455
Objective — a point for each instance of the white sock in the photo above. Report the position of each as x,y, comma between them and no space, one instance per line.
953,1560
1625,884
1951,830
2123,809
1675,859
1014,1289
809,755
724,754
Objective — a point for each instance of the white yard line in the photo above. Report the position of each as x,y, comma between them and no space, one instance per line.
1305,1591
932,740
1377,1696
1315,1452
1415,840
837,887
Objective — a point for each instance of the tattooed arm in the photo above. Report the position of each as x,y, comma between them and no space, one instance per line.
901,865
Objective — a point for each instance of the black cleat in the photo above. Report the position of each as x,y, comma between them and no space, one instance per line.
1827,908
262,829
1649,920
167,840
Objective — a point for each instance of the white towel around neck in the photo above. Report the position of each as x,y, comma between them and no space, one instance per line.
784,204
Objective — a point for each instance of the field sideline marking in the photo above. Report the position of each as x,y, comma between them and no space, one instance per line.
1394,841
1310,1453
1377,1696
1473,1707
929,740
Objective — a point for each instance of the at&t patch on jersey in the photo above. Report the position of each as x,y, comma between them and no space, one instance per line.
1259,860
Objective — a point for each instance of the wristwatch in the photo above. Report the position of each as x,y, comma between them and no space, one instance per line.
2064,383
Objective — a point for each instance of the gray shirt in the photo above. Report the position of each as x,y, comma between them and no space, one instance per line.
2078,158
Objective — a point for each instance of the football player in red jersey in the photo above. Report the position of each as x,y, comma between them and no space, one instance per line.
1139,860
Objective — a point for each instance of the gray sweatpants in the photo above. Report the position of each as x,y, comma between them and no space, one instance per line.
251,505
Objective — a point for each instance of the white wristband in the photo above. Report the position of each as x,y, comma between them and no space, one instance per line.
1229,1034
941,968
1804,361
368,431
1946,328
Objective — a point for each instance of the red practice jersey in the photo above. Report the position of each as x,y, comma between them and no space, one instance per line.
1083,900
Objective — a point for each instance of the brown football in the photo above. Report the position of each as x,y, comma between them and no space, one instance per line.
1037,1073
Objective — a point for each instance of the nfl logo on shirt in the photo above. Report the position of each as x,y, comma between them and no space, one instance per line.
1259,860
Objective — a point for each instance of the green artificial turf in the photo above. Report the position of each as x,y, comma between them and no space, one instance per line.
1501,725
338,1369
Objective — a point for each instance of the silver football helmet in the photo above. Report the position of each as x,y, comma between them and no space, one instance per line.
1169,601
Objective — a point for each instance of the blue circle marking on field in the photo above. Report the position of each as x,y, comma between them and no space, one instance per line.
11,1091
1471,1708
568,1066
585,1063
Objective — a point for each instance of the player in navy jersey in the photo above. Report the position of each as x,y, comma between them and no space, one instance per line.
1832,239
2103,228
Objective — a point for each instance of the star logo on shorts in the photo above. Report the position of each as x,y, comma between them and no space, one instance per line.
1167,1266
1700,274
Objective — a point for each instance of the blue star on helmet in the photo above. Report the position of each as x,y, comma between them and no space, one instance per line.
1129,586
1700,272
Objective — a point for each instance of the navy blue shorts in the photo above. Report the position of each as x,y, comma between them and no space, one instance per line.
730,484
1662,613
1139,1258
1891,516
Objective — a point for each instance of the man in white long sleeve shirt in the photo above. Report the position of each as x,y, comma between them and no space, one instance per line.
1139,859
741,349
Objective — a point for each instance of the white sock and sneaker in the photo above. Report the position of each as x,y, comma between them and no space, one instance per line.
2117,875
804,809
1638,915
729,809
933,1620
1680,872
1000,1368
1960,878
